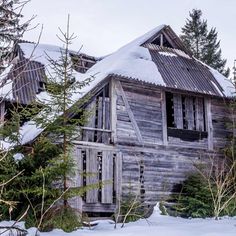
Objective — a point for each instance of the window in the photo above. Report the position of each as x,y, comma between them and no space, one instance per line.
185,116
162,41
82,62
41,87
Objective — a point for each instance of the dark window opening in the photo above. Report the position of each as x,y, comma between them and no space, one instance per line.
82,62
162,41
41,87
185,117
170,110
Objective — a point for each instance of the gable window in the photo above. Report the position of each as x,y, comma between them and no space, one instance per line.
162,41
185,117
82,62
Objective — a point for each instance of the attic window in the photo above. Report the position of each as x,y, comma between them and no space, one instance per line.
162,41
81,63
185,117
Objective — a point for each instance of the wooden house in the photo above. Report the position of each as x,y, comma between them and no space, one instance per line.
157,111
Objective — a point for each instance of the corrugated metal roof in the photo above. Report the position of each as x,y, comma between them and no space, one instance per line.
180,71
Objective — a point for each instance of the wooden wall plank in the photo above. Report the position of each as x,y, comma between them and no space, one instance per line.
113,114
118,176
107,177
130,113
76,180
92,175
208,118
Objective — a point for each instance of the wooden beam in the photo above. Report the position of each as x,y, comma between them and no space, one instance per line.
164,118
118,178
171,42
107,177
113,100
209,126
161,40
92,175
96,129
130,113
94,145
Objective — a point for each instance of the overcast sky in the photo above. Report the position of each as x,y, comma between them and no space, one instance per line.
102,26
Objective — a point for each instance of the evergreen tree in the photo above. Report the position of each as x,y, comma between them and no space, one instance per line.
11,30
203,42
48,164
58,113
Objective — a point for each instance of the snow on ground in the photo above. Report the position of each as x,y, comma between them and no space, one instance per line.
156,225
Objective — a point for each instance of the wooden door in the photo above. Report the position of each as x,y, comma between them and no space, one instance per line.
100,172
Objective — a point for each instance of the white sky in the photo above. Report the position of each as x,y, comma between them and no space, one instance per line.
102,26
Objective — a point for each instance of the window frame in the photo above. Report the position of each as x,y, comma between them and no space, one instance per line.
188,124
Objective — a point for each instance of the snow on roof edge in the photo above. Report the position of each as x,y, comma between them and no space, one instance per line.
143,38
226,84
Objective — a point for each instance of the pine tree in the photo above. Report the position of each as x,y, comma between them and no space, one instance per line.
203,42
11,30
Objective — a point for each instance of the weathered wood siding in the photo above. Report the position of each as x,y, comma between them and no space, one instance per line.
220,120
139,114
148,163
163,167
152,167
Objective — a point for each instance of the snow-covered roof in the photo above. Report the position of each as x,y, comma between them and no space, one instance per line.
132,61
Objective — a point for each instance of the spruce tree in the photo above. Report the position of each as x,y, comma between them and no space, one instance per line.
47,165
11,30
58,113
203,42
